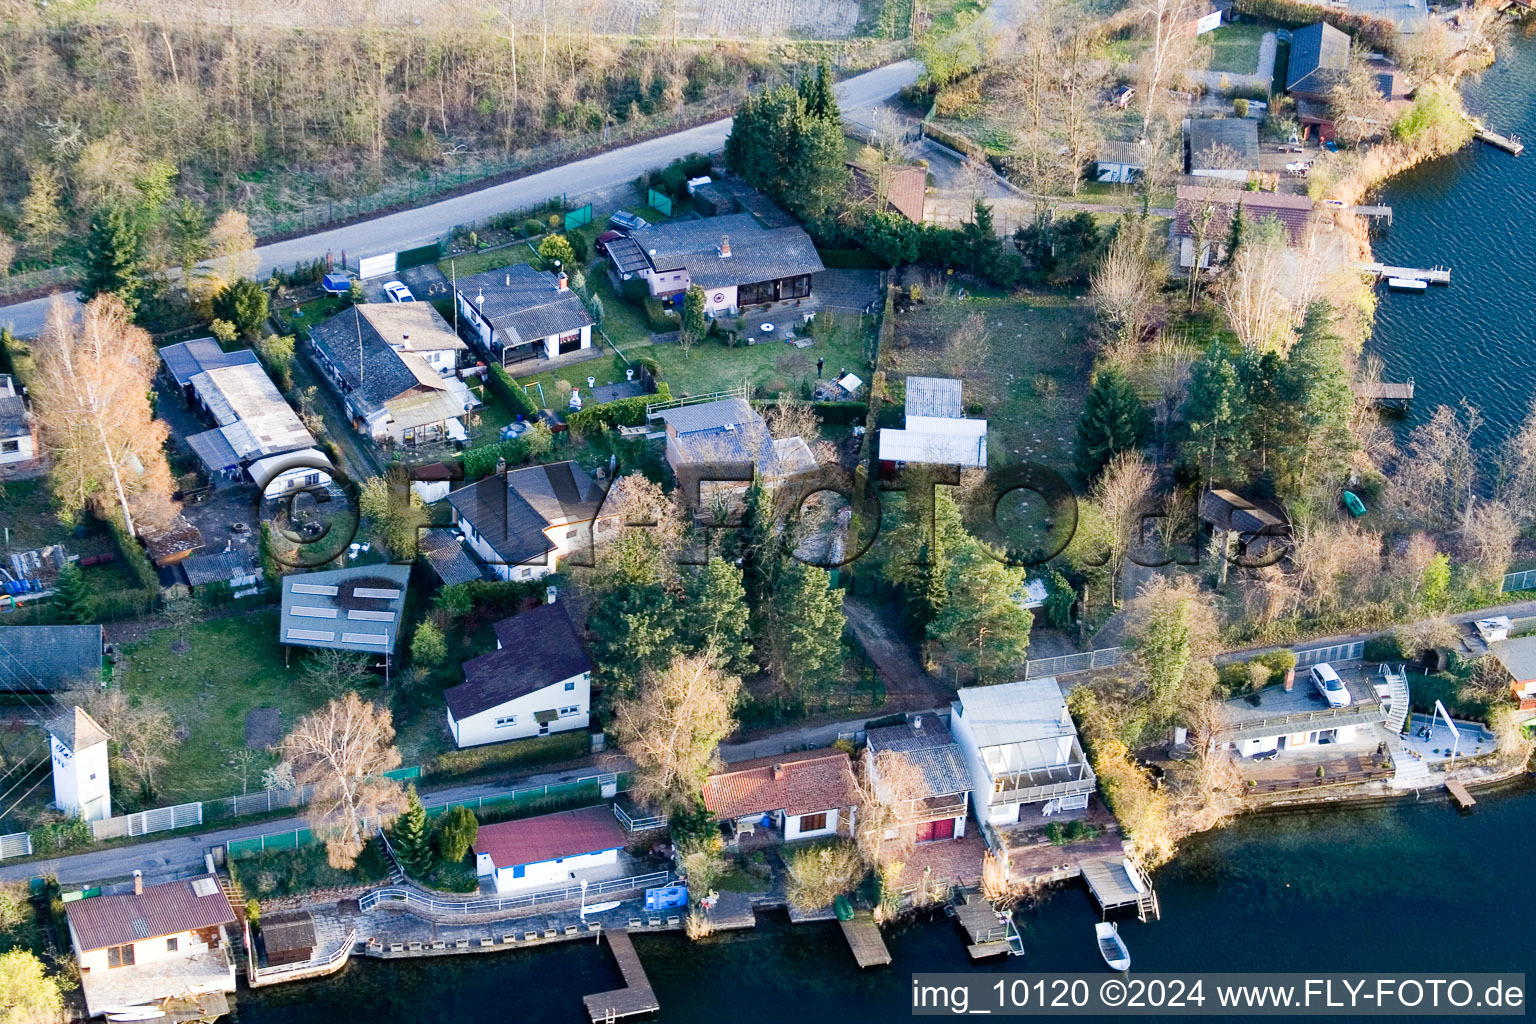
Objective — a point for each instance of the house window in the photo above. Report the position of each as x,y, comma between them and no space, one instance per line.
570,342
502,723
795,287
9,447
522,574
171,944
568,712
120,956
813,822
519,871
571,533
568,686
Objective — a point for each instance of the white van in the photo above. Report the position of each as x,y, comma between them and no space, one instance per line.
1330,685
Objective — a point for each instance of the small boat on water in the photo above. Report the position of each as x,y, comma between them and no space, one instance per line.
1134,874
598,908
1407,284
1112,946
135,1013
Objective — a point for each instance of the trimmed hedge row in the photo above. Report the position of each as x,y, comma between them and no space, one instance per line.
511,395
623,412
560,746
481,461
1376,33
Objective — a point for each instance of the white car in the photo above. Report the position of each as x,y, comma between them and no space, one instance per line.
398,292
1330,686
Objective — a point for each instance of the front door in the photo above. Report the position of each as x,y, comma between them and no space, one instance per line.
944,828
925,831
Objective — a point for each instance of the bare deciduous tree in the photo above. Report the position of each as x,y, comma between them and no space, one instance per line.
91,395
966,350
1438,474
333,672
673,726
1517,469
231,251
1488,534
343,750
1164,25
142,732
1121,497
1123,289
1252,294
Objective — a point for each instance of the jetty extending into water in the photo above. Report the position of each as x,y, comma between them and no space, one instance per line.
636,996
864,939
1387,393
1464,799
1434,275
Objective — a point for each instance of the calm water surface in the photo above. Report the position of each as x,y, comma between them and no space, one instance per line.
1407,886
1474,212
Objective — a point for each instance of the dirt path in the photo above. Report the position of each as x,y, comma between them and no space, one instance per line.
908,687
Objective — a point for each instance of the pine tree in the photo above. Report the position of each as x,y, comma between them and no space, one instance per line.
187,231
243,303
1212,411
982,624
633,628
113,257
1114,420
1235,233
456,833
411,838
807,630
717,613
1318,443
73,598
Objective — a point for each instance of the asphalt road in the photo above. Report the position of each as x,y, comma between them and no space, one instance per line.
421,225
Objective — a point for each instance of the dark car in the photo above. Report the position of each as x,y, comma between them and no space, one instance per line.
601,245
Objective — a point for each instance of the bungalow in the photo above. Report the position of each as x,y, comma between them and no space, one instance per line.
393,364
934,430
806,794
1021,747
18,448
1288,717
1225,148
1120,163
1319,61
918,769
287,938
537,681
156,942
522,522
899,187
1292,212
354,609
550,850
1518,657
518,314
722,445
232,567
1259,533
38,659
733,258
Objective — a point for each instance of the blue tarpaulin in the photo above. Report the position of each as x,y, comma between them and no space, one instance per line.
336,283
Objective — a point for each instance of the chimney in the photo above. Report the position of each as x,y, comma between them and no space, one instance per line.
138,883
1290,680
778,772
562,282
501,467
917,723
725,247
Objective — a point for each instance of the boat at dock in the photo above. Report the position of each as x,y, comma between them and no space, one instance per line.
1112,946
1407,284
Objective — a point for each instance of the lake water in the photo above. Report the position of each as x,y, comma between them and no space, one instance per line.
1404,886
1472,212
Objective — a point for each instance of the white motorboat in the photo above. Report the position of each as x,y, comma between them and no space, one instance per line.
131,1013
598,908
1407,284
1112,946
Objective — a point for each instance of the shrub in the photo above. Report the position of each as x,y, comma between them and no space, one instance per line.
530,228
62,834
481,461
560,746
428,648
511,394
841,412
624,412
456,832
658,318
1383,648
819,874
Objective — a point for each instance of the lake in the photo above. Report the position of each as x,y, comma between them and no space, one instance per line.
1405,886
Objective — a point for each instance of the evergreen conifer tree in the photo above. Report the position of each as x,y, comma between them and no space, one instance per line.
411,838
717,613
73,597
112,257
1114,420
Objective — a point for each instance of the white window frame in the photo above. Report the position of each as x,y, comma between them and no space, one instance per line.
574,709
502,723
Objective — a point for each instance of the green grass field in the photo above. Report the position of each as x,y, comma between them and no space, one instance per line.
1235,48
472,263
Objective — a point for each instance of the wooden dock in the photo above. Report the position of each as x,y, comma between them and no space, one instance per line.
1375,213
1384,392
636,996
864,940
1434,275
1111,884
986,935
1508,143
1464,800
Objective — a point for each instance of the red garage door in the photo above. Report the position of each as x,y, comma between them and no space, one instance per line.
941,829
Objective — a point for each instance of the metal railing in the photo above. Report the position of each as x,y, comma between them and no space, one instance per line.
417,901
336,956
740,392
48,277
642,824
1525,580
1338,652
17,844
1066,664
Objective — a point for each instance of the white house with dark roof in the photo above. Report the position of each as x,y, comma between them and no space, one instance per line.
523,521
518,314
37,659
18,448
1021,747
934,432
733,258
82,784
537,681
393,364
353,609
157,942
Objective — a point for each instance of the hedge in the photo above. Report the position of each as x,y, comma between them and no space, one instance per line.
1373,32
841,412
658,318
560,746
511,395
481,461
623,412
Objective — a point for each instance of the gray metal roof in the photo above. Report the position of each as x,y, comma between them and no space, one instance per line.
259,421
933,396
48,657
446,554
355,609
757,254
1214,143
1015,712
13,417
524,304
512,515
538,648
627,256
190,358
1131,153
214,449
372,371
1518,656
224,565
930,749
1319,54
726,431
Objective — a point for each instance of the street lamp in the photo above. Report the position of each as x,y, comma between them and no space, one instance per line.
583,899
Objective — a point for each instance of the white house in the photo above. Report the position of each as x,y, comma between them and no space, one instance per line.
807,794
303,470
550,851
519,314
1120,163
934,431
521,523
1021,747
537,681
17,446
81,784
156,942
1279,719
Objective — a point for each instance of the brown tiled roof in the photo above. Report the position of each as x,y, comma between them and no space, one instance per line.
802,783
906,188
1292,212
551,836
283,933
160,910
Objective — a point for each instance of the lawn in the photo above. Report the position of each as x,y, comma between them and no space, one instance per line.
472,263
843,340
27,518
233,665
1031,384
1235,48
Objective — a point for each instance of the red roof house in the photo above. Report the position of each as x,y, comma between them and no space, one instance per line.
1293,212
810,793
550,850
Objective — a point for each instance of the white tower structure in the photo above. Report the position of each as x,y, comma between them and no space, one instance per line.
81,785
